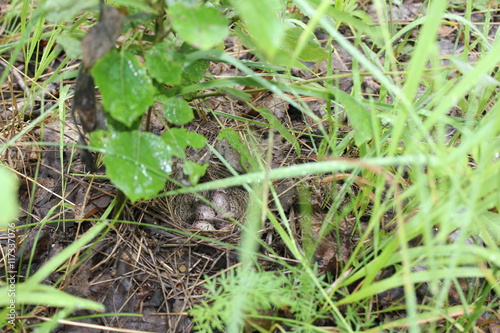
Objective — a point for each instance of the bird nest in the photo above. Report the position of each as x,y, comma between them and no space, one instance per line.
205,210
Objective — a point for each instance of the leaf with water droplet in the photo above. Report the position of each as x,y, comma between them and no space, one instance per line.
126,89
169,60
136,162
176,110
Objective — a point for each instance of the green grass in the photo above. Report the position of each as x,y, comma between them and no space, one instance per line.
422,183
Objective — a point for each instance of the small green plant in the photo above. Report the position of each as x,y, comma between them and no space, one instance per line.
174,59
271,299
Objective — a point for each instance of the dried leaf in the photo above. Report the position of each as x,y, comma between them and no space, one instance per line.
101,37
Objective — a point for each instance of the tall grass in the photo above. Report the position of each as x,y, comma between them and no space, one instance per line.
441,182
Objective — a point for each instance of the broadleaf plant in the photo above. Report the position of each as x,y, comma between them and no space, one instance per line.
162,67
169,60
177,111
127,90
137,162
202,27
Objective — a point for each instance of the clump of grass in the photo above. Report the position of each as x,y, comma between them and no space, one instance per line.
433,176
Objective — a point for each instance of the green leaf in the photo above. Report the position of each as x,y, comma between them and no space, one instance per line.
176,110
71,43
243,96
488,226
184,2
262,23
202,27
8,197
358,19
136,162
137,5
359,117
312,52
169,60
179,138
194,170
234,140
366,19
276,123
48,295
195,71
126,89
98,139
65,10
